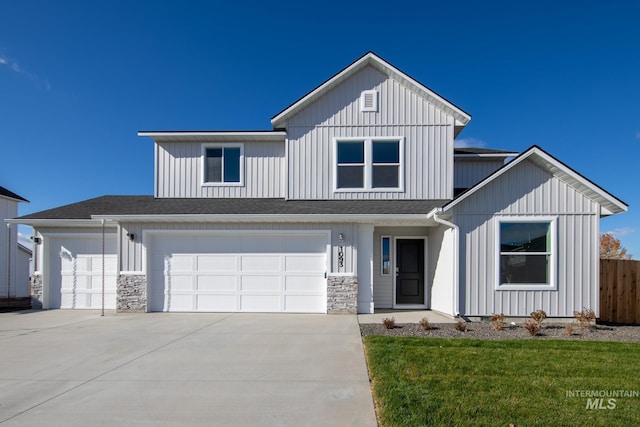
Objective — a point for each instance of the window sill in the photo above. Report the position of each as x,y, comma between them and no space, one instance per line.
526,287
368,190
222,184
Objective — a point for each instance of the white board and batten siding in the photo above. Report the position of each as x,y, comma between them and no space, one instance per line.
428,134
528,191
179,171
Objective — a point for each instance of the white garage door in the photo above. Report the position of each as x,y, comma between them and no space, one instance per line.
76,272
238,272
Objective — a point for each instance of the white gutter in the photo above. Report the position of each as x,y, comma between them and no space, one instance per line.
456,257
365,219
57,222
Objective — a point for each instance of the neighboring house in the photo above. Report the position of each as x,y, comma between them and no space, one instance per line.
13,282
355,201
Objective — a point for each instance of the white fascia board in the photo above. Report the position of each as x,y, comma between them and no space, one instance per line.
471,156
545,161
59,222
213,136
412,219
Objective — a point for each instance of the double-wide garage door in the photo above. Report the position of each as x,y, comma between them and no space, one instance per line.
256,272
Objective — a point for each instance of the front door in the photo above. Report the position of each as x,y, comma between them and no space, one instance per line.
410,271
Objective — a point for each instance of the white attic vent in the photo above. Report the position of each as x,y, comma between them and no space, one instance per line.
369,100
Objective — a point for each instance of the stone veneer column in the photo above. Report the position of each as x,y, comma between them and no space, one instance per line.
132,293
342,294
36,291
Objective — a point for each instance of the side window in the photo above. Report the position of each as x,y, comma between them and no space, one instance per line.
223,164
526,256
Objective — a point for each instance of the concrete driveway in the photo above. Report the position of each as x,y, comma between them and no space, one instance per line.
75,368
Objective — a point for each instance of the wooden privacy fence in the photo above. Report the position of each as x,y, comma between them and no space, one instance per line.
619,291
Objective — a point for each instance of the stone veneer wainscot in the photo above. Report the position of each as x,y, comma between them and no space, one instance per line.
342,294
132,293
36,291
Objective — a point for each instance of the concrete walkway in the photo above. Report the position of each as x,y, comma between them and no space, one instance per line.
406,316
75,368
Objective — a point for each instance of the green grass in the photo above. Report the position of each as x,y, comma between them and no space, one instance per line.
463,382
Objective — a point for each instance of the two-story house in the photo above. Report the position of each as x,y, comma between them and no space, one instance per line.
355,200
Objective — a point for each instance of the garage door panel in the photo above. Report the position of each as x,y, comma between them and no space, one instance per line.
260,283
216,263
260,303
217,302
180,302
304,263
180,282
304,283
264,263
181,263
217,283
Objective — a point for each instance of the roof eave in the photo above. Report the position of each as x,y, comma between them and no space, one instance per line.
409,219
610,204
44,222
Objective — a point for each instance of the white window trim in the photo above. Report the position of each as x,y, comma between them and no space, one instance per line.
203,165
553,262
382,273
368,164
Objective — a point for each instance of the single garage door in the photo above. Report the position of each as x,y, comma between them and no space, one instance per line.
76,272
257,272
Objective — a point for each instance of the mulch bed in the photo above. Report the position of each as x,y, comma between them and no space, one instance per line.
484,330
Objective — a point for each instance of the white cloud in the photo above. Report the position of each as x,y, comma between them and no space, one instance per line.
16,67
638,134
621,232
469,142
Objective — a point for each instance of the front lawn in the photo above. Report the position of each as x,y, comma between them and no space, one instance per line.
462,382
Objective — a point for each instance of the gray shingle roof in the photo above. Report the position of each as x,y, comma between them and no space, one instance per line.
11,194
148,205
475,150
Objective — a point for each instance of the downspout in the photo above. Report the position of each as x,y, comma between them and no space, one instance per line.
456,257
102,305
8,261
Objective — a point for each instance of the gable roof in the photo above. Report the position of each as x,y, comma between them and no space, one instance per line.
11,195
609,204
371,59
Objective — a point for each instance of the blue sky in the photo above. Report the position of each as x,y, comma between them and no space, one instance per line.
78,79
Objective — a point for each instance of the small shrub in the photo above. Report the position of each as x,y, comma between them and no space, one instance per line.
497,321
586,318
461,326
389,322
424,324
569,329
538,316
533,327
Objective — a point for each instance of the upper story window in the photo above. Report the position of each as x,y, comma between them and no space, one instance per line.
223,164
527,253
369,164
